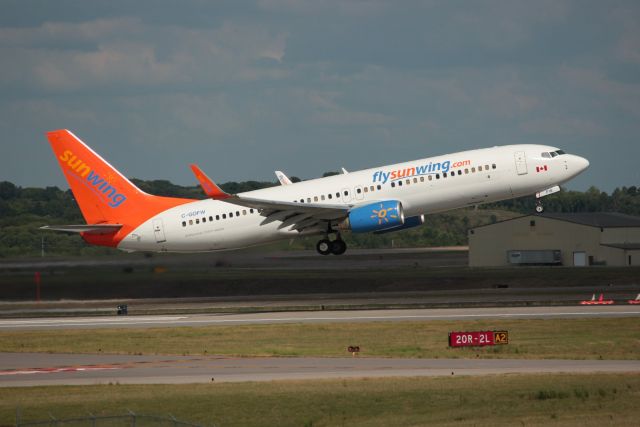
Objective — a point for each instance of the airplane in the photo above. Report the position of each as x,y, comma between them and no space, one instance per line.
381,199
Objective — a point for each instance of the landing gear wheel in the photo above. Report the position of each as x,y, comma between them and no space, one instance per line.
323,247
539,208
338,247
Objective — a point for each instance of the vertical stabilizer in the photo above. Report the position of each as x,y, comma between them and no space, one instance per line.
103,194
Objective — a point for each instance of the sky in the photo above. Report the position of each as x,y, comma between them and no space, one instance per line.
244,88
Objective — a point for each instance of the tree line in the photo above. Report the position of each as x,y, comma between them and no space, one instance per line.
24,210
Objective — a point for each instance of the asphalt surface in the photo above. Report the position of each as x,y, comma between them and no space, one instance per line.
34,369
320,317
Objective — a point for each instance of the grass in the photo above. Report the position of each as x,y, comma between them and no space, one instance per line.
593,338
560,400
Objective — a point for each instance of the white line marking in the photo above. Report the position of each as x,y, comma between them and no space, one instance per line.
57,370
115,320
185,320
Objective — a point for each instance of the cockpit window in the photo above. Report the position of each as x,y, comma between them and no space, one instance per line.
546,155
560,152
554,154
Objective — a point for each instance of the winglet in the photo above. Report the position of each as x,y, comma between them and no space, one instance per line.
284,179
209,187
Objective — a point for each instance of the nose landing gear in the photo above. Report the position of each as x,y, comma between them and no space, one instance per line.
539,206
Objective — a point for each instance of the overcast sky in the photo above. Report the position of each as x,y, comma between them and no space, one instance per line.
245,88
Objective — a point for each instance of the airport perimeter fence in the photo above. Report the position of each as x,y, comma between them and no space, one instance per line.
129,420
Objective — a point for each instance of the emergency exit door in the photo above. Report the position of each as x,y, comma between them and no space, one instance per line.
158,230
521,162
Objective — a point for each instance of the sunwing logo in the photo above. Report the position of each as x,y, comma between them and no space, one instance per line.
429,168
383,215
92,180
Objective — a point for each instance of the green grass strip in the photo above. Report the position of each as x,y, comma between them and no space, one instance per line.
594,338
559,400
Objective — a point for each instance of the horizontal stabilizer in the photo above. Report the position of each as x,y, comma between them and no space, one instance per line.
85,228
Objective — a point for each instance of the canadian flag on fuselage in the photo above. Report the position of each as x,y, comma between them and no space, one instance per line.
541,168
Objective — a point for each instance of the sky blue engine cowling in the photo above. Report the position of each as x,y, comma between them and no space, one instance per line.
376,216
410,222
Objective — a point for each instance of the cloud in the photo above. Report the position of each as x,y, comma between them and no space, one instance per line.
125,52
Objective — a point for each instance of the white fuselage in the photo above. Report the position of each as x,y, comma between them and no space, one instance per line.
472,177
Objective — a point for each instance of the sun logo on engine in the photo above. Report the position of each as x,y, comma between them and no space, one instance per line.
383,214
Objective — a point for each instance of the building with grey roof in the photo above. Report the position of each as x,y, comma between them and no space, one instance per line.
569,239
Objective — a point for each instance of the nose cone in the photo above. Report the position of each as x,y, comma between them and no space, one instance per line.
581,163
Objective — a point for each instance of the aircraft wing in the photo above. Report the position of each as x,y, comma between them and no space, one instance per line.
296,216
85,228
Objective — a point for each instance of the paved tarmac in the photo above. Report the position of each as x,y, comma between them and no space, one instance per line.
320,317
34,369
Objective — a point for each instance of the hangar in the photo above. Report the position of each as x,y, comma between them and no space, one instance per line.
569,239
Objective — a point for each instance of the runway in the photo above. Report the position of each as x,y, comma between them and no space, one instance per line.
35,369
320,317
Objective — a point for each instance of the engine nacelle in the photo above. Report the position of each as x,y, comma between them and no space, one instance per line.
375,217
412,221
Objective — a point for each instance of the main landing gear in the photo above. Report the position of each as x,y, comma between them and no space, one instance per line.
336,247
539,206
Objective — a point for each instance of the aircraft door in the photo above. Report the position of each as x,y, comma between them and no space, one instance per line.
358,192
521,162
158,230
346,195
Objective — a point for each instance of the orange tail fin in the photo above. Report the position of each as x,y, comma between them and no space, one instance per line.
104,194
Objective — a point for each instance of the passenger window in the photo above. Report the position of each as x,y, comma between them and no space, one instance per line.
230,214
337,195
493,166
197,221
460,172
346,193
358,190
393,184
315,198
422,179
408,181
250,210
204,220
301,200
330,196
466,171
479,168
190,222
473,170
437,176
444,174
486,167
430,178
224,216
308,199
210,219
379,187
184,223
322,197
366,189
217,217
244,211
237,213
